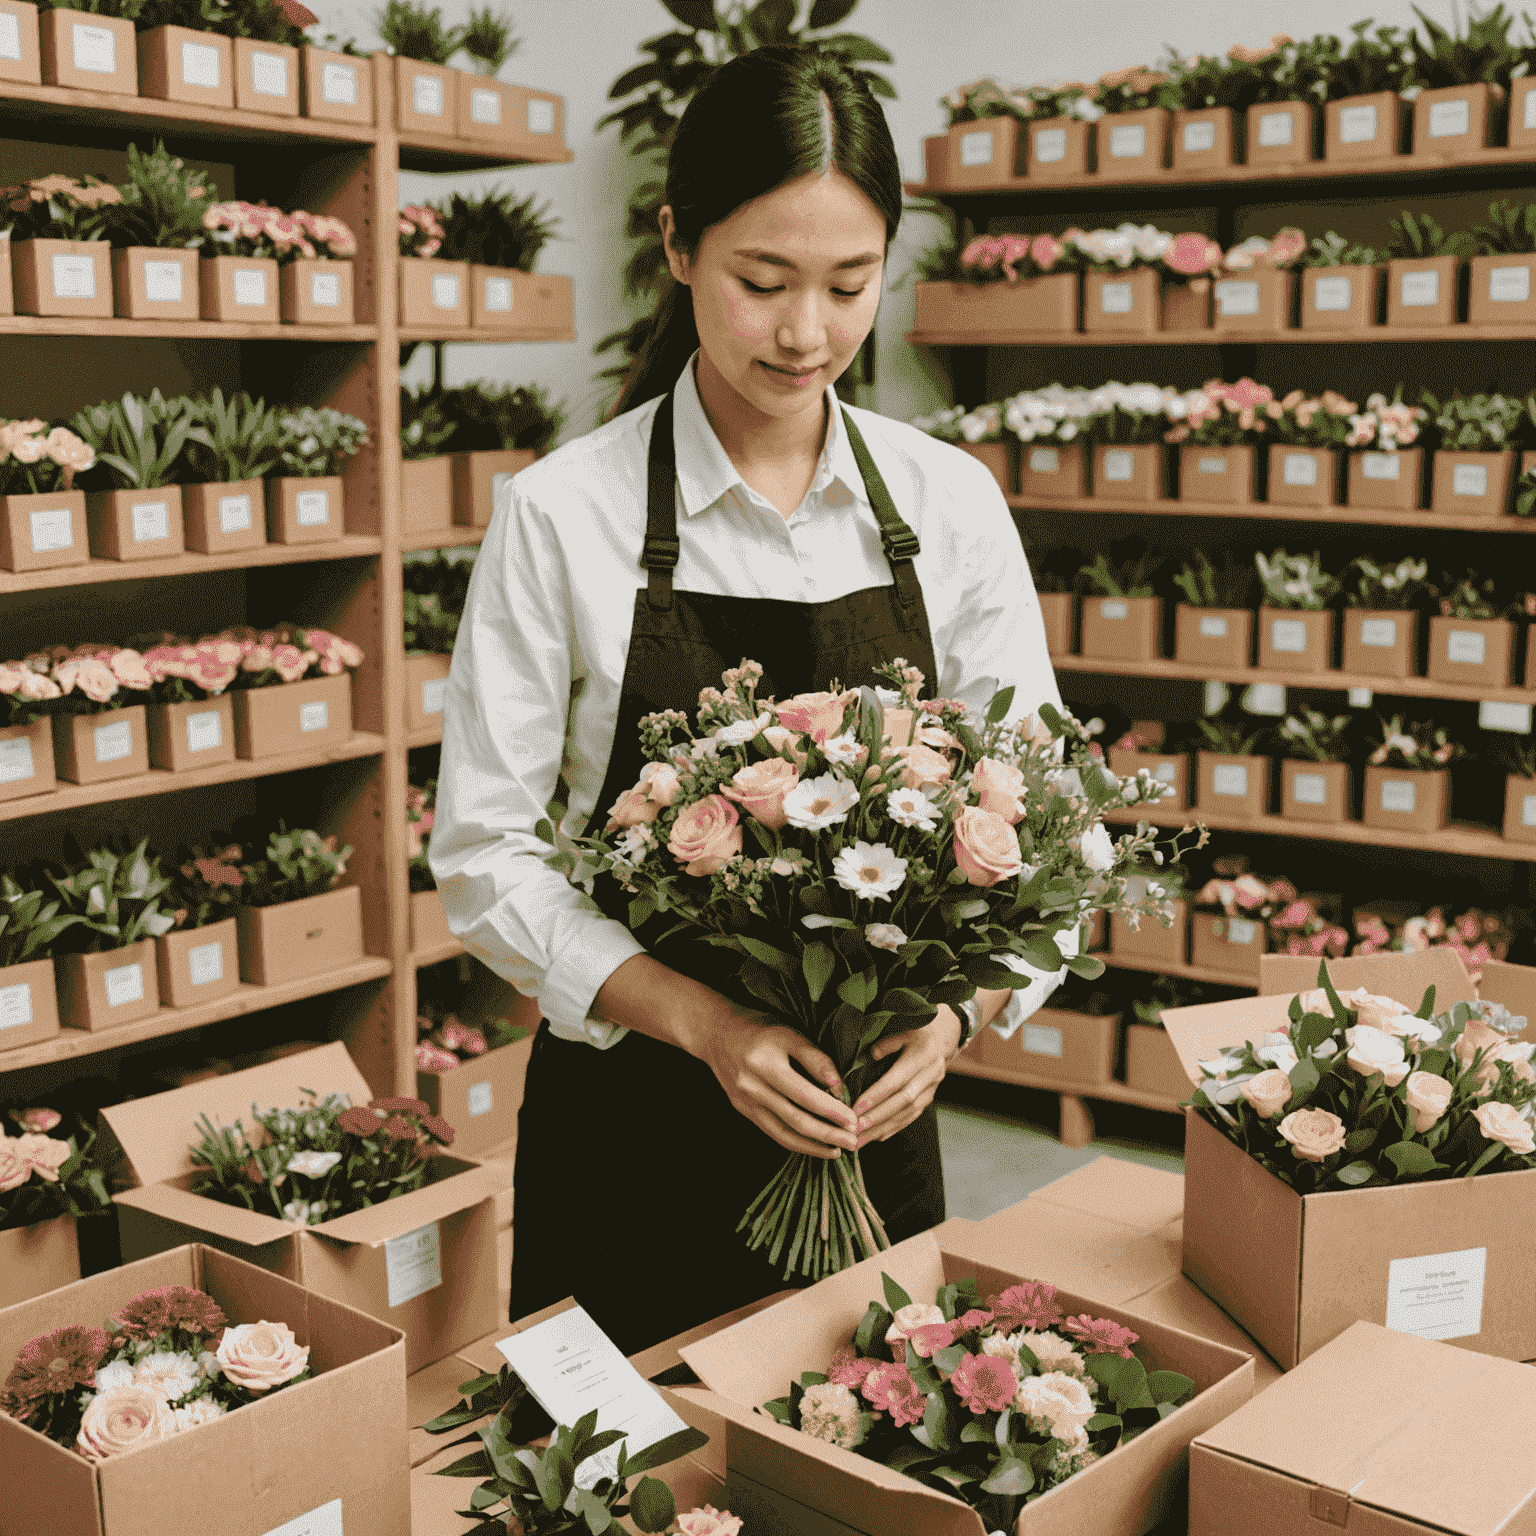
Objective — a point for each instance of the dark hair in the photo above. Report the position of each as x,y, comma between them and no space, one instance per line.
759,122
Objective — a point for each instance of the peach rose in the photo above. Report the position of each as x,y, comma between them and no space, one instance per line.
45,1155
898,726
1373,1050
986,846
1503,1122
759,789
1377,1011
1428,1097
784,740
1313,1133
1268,1092
260,1356
706,836
1315,1001
1476,1037
999,788
818,715
120,1419
15,1170
922,767
1516,1054
631,808
39,1120
660,782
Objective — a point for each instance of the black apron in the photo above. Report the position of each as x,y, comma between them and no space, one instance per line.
633,1168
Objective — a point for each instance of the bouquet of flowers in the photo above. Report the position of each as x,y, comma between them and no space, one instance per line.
995,1405
943,424
1284,250
1306,421
1219,415
254,229
1423,746
421,234
43,1176
35,461
904,851
1476,935
1127,414
166,1362
1359,1092
1301,928
286,653
445,1043
1386,425
420,813
1118,249
1007,258
1236,892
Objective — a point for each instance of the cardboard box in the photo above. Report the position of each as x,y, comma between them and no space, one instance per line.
434,292
29,1004
1054,1046
1056,613
1471,484
426,494
1354,1437
1186,307
1381,642
935,159
135,525
518,119
1170,768
1474,652
239,289
150,283
216,518
1217,637
1233,785
1422,291
1407,800
266,78
1499,290
1280,132
426,97
1122,628
1519,810
1126,303
481,1098
997,459
1133,146
1046,305
1230,945
21,58
1151,941
1314,791
1522,114
1295,639
423,1262
314,290
1058,149
1403,975
1369,127
1389,482
988,153
336,86
1203,139
180,64
89,749
105,990
1340,298
294,1463
474,482
26,760
88,52
1152,1065
192,735
429,922
1131,474
300,938
198,965
426,686
1450,121
538,304
1224,476
71,278
37,1259
1261,300
305,509
1512,985
292,717
1053,472
1303,477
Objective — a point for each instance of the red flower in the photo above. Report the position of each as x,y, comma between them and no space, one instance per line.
1100,1336
891,1388
56,1362
1031,1305
848,1370
398,1128
984,1383
359,1120
400,1106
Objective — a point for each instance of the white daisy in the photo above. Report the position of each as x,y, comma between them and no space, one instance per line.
913,808
815,804
118,1374
885,936
742,731
845,750
169,1375
870,870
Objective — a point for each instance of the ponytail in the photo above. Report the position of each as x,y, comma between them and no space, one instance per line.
671,338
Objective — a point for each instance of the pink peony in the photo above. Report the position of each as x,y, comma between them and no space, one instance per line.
1100,1336
632,808
931,1337
984,1383
706,836
707,1521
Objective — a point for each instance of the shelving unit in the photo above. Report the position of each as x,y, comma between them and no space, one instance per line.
1223,338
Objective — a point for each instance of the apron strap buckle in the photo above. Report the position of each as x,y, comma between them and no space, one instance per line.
900,542
661,553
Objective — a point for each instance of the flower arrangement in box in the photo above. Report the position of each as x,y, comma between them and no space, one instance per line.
1307,421
1382,620
115,897
1135,89
36,459
1473,462
1463,81
1309,433
1423,746
43,1176
1124,429
294,918
1315,776
1309,736
1470,597
421,235
255,229
1221,415
1014,258
305,502
59,256
160,215
42,516
1260,253
1255,283
208,886
1422,263
1407,777
230,446
1518,760
1055,413
1236,892
1231,738
426,473
1474,936
1389,426
1501,290
1295,585
1027,282
1295,581
294,866
1301,928
444,1043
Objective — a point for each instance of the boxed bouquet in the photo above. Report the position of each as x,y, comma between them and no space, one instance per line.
1001,282
1340,285
471,1075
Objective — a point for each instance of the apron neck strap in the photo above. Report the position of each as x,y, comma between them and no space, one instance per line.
898,540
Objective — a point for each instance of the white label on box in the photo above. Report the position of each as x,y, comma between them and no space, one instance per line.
1119,464
250,286
1230,779
1166,772
1042,1040
1492,715
325,290
413,1264
269,74
1509,285
1212,464
1288,635
1212,627
427,95
1309,789
325,1521
205,963
1469,646
16,1004
480,1098
200,65
1379,632
1264,698
338,84
16,759
976,148
1274,129
1356,124
94,49
432,694
315,716
1299,469
10,36
311,508
484,106
124,985
1469,480
151,521
1199,137
498,295
1241,931
1447,119
74,277
162,282
234,514
1044,461
205,731
1360,698
1398,795
1050,145
1127,142
1438,1296
1332,294
1527,805
1530,109
1419,289
52,528
1113,608
1115,299
445,290
1238,297
1380,466
113,742
541,115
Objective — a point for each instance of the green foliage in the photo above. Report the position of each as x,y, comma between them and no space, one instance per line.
1124,578
435,593
315,443
232,440
1295,581
1311,736
1333,250
425,426
115,898
413,31
1510,230
1470,597
294,865
1482,53
488,38
1207,587
264,21
1289,71
139,442
496,229
1477,423
1388,586
29,923
163,203
488,418
1417,237
1379,60
1230,737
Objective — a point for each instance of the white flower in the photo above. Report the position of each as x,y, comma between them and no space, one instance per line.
889,698
1065,781
1004,1349
118,1374
169,1375
635,844
741,732
1062,1401
816,804
1230,1091
208,1364
1220,1066
201,1410
1052,1351
313,1165
1278,1052
885,936
912,808
302,1211
908,1319
1373,1050
1097,849
829,1411
870,870
845,750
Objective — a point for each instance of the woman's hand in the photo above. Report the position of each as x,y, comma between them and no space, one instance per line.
907,1089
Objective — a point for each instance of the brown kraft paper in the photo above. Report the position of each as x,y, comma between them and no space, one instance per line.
538,304
429,921
1151,941
37,1259
293,717
1058,149
1121,628
216,518
1280,133
1224,476
266,77
26,760
300,938
89,749
434,292
1380,642
1260,300
1295,640
474,476
1056,613
1386,482
1203,139
1452,120
68,278
481,1097
1519,812
1407,800
304,510
426,689
1122,302
1499,290
335,86
198,965
153,284
1471,484
1051,471
183,737
1231,945
89,52
1133,146
1215,637
1133,473
989,153
1364,127
29,1004
104,990
1186,307
1314,791
315,291
1152,1065
426,494
1472,652
1422,292
135,525
1043,305
1302,477
1340,298
426,97
239,289
27,64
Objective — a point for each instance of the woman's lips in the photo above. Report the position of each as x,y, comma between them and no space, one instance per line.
797,377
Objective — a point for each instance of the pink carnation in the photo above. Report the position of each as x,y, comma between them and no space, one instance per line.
848,1370
1100,1336
984,1383
890,1387
1192,254
1031,1305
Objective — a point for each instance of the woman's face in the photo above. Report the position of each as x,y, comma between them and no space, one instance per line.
785,290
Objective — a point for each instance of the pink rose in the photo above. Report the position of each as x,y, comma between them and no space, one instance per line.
660,782
898,726
759,789
1428,1097
631,808
1192,254
986,846
1268,1092
260,1356
38,1120
818,715
1384,1013
1503,1122
1045,251
999,788
922,767
906,1321
44,1155
121,1418
15,1170
706,836
709,1521
1313,1133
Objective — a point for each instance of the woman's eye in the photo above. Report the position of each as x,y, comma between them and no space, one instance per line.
753,288
847,293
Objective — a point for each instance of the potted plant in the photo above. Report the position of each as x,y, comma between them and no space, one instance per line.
470,1074
1216,428
1122,286
138,445
27,690
1295,623
295,920
1048,424
30,923
1143,749
497,431
1255,288
1386,470
1024,283
1230,776
501,236
60,264
1340,285
1474,441
191,714
1283,83
305,503
1058,125
1518,759
1189,265
983,147
1365,116
1124,428
435,592
432,291
978,433
1314,771
237,277
1209,101
1423,265
1122,618
426,471
1132,937
230,446
520,120
1055,593
1462,104
42,516
1214,626
106,966
23,58
314,261
155,232
267,36
429,922
294,691
1381,623
426,93
1472,638
91,49
179,59
99,727
1408,777
198,960
1230,926
336,81
1306,459
1499,289
1132,132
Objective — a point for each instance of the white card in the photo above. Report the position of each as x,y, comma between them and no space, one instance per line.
1042,1040
1467,646
976,148
1419,289
311,508
1469,480
1275,129
1212,464
250,286
1050,145
315,716
325,1521
10,36
480,1098
1381,466
1166,772
1115,299
205,962
1119,464
234,514
16,1003
484,106
1230,779
269,74
1199,137
338,84
1509,285
200,65
325,290
1238,296
432,694
1127,143
113,742
413,1264
151,521
1289,635
52,528
1530,109
1044,461
498,295
427,95
16,759
1360,698
1496,715
1113,608
1381,633
1240,930
74,277
1213,627
162,282
204,731
1438,1296
1448,120
1309,789
1528,811
124,985
1357,124
445,290
1300,469
541,115
1398,795
94,49
1331,295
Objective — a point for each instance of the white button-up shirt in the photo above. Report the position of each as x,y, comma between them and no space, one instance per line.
532,702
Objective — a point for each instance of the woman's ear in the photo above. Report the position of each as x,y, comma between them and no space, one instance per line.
677,262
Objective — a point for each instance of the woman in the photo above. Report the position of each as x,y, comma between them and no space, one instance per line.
733,510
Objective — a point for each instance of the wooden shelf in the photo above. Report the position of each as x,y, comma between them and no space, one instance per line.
447,152
1211,338
443,538
160,781
181,330
427,736
72,1043
1114,1093
353,547
487,336
449,949
1166,968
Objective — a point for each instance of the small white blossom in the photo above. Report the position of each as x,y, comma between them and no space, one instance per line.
313,1165
885,936
1097,849
913,808
869,870
740,732
816,804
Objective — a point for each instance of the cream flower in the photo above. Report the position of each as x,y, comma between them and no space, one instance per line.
913,808
870,870
1428,1097
119,1373
916,1314
1373,1050
816,804
829,1411
120,1419
201,1410
740,732
1268,1092
846,751
1053,1352
1097,849
1313,1133
260,1356
884,936
1503,1122
1384,1013
1003,1348
169,1375
313,1165
1062,1401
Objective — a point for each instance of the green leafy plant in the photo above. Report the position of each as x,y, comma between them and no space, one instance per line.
1389,587
1477,423
1130,90
1382,60
488,39
1422,746
58,208
436,590
1124,578
1282,70
496,229
1333,250
1295,581
1232,738
163,202
1483,53
126,10
208,885
1207,587
264,21
314,443
1516,756
232,440
1312,736
1321,421
1470,597
412,31
425,427
487,418
139,442
1510,230
29,923
294,865
116,899
1418,237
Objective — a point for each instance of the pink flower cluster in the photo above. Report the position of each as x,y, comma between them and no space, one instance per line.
1475,936
30,442
447,1044
94,671
254,229
22,1157
998,258
421,231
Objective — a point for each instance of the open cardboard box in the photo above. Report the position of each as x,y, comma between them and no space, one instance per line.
424,1262
781,1481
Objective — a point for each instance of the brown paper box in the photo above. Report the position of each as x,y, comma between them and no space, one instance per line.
1519,813
1152,1065
88,52
239,288
474,476
37,1259
305,510
266,78
1380,642
1314,791
1128,474
434,292
149,283
1522,115
1218,637
426,687
1122,302
1186,307
325,1482
936,159
1231,945
315,291
481,1098
135,525
1449,121
1295,640
426,494
104,990
1471,484
1171,768
1280,132
179,64
1388,482
29,1004
348,1259
426,97
1056,614
429,921
1058,149
1261,300
1364,127
26,760
88,749
197,965
23,61
193,735
71,278
292,717
1047,305
1202,139
995,457
1302,477
1227,476
336,86
1055,1045
1122,628
1407,800
989,153
1094,939
1500,291
1474,652
301,938
216,518
1340,298
1053,472
1133,146
1311,1454
1422,292
541,303
1151,941
507,114
1403,975
7,293
1233,785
